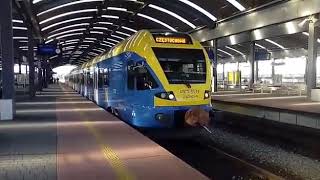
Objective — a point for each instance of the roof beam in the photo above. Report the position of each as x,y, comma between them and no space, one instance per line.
32,18
260,18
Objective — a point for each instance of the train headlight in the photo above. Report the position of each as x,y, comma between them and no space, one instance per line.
206,94
171,96
166,95
163,95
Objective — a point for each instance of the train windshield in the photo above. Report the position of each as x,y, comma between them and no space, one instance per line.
182,66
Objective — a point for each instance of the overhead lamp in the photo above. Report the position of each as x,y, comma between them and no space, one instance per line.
67,14
71,26
68,35
92,39
87,41
200,9
65,32
157,21
129,29
274,43
67,4
98,50
237,51
113,40
237,5
49,41
96,32
106,23
225,52
64,22
17,21
260,46
36,1
65,44
109,43
19,28
117,9
122,33
53,57
115,36
72,40
110,16
20,37
173,15
101,28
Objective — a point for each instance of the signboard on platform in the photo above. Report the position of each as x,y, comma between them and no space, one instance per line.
48,49
262,55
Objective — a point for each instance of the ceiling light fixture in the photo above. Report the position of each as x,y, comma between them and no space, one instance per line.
226,52
122,33
274,43
237,5
64,22
129,29
115,36
67,14
200,9
67,4
237,51
157,21
172,14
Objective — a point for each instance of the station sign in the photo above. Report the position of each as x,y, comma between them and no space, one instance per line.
48,49
262,55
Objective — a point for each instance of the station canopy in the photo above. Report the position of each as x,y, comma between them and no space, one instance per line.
87,28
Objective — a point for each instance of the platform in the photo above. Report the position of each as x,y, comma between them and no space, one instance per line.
295,110
61,135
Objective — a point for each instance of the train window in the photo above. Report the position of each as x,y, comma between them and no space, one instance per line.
106,76
140,79
100,78
131,75
182,66
145,81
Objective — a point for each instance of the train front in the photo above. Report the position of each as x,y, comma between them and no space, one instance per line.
183,70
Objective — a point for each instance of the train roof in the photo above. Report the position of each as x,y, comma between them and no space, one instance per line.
139,41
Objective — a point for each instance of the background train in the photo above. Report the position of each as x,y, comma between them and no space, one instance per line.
149,80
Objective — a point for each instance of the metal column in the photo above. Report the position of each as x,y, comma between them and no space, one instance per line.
7,56
32,91
257,72
311,74
251,59
215,66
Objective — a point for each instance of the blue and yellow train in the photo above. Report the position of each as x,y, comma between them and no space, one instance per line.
150,79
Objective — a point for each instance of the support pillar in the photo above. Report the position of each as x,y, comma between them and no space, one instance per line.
311,73
223,76
215,66
40,83
7,58
251,59
273,72
32,91
257,72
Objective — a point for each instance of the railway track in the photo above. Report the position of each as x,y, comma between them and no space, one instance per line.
212,161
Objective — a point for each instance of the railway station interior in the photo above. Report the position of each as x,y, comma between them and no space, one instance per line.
159,89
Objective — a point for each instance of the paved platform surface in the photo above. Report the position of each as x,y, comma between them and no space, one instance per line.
61,135
293,103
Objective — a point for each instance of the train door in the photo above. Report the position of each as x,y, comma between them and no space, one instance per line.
141,86
95,85
86,80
